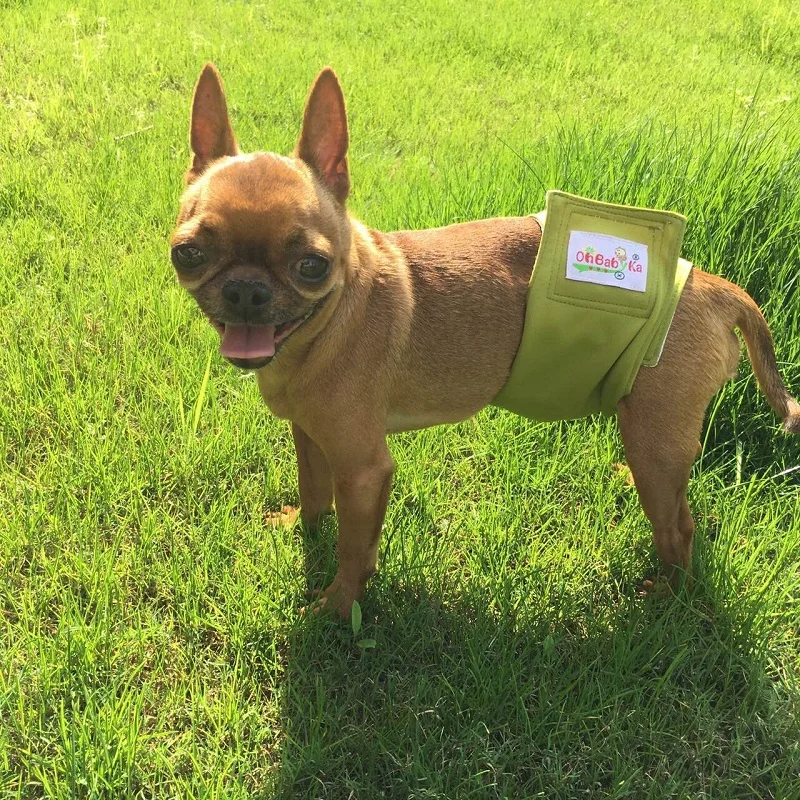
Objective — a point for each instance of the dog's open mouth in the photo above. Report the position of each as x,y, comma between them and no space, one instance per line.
254,346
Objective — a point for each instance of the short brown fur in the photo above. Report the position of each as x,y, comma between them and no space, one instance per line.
389,342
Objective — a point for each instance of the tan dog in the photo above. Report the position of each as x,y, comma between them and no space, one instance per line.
356,333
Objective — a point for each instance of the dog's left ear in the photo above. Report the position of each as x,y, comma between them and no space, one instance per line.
324,138
211,132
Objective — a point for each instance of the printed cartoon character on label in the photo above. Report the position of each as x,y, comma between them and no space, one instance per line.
622,257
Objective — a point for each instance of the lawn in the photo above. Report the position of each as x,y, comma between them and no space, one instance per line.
152,644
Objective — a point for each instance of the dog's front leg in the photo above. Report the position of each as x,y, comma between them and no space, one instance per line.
315,485
362,477
314,479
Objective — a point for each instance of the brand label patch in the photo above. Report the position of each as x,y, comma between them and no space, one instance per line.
608,260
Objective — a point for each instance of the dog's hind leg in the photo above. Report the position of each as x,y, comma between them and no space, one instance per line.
661,420
660,449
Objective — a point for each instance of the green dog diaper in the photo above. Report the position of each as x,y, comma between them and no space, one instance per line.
601,298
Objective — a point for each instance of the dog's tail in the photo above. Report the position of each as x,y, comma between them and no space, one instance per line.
761,351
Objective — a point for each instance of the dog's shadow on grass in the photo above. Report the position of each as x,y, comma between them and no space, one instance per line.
461,697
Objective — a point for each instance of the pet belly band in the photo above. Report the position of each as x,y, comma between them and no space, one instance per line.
602,294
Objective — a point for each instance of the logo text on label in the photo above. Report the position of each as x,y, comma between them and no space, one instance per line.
607,260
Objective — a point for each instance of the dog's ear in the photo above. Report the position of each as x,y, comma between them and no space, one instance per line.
324,138
212,135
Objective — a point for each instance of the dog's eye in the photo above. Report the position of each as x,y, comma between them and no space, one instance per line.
313,268
184,256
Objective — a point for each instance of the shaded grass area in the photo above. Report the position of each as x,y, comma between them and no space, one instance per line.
152,645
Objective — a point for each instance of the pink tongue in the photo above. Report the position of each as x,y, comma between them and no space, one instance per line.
248,341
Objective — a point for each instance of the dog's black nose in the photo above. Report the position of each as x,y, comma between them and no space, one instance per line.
243,296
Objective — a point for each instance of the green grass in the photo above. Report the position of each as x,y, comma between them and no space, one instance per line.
151,642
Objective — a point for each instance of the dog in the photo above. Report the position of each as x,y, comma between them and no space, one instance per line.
355,334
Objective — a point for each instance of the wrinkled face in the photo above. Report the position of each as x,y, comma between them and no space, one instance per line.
260,250
262,241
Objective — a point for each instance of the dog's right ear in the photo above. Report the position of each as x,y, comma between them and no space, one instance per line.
212,135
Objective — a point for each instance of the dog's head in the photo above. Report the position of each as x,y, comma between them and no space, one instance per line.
262,240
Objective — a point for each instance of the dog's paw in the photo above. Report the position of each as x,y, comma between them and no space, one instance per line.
624,472
287,517
657,586
661,586
336,599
